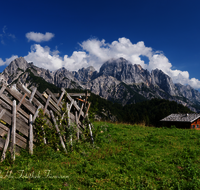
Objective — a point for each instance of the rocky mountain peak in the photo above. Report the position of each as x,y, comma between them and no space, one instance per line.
163,81
20,63
14,69
85,74
125,71
139,67
118,79
90,69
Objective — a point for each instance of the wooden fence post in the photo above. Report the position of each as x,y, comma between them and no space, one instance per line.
22,121
30,135
79,115
61,96
91,133
71,104
3,88
13,131
21,101
86,96
58,131
76,118
36,113
86,113
5,146
47,103
32,94
69,122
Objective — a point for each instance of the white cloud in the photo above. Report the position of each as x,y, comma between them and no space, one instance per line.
45,58
95,52
39,37
99,52
8,60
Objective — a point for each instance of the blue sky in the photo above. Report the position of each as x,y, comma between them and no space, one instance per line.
77,34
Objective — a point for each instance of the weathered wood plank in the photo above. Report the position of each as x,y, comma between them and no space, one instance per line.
16,94
76,116
2,131
2,113
69,121
75,105
20,141
47,103
7,104
9,108
25,90
13,131
73,120
70,106
79,115
30,135
91,133
44,138
6,143
21,101
3,127
56,95
21,125
52,95
44,100
22,118
60,99
81,100
86,113
68,115
32,94
2,143
86,99
78,94
36,113
3,88
58,131
51,101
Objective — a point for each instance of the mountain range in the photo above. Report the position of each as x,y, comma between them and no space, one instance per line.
118,80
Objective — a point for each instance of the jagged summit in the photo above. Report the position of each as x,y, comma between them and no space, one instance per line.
85,74
20,63
117,80
14,69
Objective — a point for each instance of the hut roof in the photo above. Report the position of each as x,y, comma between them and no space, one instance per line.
182,117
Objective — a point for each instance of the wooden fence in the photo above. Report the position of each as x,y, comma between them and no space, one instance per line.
20,106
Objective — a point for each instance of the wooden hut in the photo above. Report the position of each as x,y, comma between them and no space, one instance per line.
185,121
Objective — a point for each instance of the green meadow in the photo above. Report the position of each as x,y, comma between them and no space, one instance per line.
123,156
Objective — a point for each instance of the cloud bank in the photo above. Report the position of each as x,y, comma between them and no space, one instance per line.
8,60
39,37
95,52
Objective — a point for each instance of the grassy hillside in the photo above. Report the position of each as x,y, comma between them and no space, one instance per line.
123,157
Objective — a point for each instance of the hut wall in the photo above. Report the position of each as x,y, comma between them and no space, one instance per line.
195,124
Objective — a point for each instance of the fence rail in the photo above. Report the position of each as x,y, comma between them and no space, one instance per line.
20,106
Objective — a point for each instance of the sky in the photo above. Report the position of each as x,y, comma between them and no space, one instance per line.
163,34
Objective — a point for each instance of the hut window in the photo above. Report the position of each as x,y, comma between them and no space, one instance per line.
193,126
197,126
